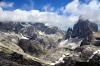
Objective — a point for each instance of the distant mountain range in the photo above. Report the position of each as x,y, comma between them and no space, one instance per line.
18,26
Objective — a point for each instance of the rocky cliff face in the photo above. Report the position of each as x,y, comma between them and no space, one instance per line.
28,44
11,54
83,28
84,51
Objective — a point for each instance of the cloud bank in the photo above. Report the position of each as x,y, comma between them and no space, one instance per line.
89,11
75,9
50,18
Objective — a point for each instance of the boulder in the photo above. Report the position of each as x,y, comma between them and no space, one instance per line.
95,58
87,52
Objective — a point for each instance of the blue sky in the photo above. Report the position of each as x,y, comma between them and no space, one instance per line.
39,4
61,13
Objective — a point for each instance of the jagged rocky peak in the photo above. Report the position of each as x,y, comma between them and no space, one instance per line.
84,28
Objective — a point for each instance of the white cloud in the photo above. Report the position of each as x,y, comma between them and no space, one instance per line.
6,4
50,18
89,11
71,7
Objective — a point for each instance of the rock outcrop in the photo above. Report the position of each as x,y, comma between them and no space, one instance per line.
31,47
82,29
96,39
